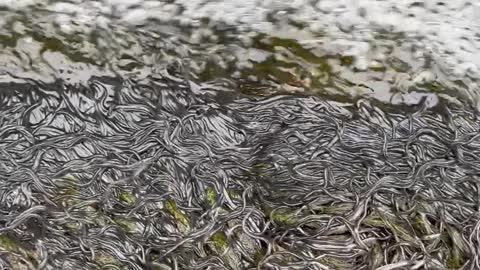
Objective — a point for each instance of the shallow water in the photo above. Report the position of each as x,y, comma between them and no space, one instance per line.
215,135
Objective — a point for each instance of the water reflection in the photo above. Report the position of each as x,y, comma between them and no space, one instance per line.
74,41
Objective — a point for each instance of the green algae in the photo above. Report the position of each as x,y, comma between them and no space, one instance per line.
127,198
455,259
8,244
124,223
210,196
258,256
16,256
456,248
72,227
346,60
219,241
282,218
172,209
260,169
397,228
292,45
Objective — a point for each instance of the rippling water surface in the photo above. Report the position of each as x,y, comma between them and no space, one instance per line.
239,135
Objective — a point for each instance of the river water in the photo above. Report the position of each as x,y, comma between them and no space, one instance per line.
239,134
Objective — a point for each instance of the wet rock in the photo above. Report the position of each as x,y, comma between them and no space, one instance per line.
424,77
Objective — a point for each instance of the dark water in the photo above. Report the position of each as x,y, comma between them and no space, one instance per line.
161,146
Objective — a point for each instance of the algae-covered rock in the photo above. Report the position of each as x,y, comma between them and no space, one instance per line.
127,198
219,240
8,244
336,209
16,256
282,218
178,217
129,225
219,245
398,228
172,209
104,259
210,196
